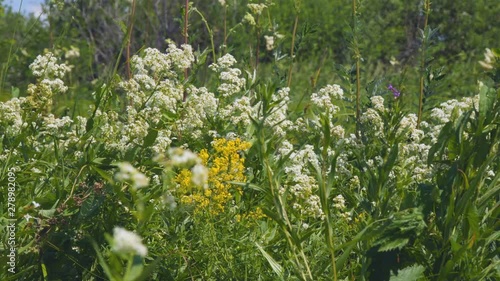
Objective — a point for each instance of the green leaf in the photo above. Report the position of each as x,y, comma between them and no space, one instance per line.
15,92
103,174
134,269
277,268
149,270
102,262
394,244
486,102
150,138
411,273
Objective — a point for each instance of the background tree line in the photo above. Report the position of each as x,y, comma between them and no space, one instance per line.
388,36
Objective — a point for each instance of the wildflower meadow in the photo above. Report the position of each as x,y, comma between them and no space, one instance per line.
250,140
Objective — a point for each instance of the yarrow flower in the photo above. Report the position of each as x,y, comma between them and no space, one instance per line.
394,91
126,242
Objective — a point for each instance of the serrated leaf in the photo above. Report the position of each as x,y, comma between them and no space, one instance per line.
411,273
394,244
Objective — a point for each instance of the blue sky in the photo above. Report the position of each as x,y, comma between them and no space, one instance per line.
28,6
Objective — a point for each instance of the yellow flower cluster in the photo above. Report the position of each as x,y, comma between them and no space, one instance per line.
225,164
251,216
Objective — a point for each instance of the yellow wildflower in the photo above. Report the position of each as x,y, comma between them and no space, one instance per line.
225,164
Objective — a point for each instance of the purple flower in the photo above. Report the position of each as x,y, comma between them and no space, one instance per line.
394,91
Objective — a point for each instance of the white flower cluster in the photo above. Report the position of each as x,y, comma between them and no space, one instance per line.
53,125
339,202
179,157
129,174
199,107
373,121
182,157
408,125
154,91
248,18
127,242
269,42
11,116
180,58
49,74
199,175
300,184
240,111
323,99
278,119
72,53
46,66
378,103
256,9
231,82
489,59
452,109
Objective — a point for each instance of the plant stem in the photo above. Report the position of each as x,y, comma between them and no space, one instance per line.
357,57
427,8
210,32
186,19
292,50
130,27
225,28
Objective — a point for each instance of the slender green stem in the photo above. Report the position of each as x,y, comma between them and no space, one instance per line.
324,202
210,32
129,40
257,48
186,21
225,28
357,57
427,8
294,34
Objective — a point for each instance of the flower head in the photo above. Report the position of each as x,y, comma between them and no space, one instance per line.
125,242
394,91
130,174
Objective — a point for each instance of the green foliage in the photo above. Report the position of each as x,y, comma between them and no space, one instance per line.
193,166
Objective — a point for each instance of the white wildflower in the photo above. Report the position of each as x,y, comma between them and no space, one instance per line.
269,42
199,175
127,242
130,174
378,103
181,157
72,53
256,9
248,18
